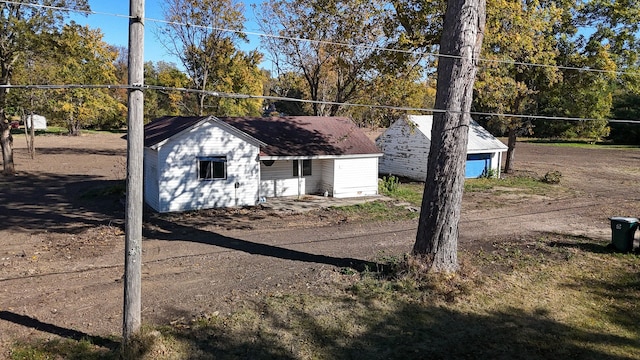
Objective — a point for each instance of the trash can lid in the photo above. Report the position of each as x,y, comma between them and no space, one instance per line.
624,219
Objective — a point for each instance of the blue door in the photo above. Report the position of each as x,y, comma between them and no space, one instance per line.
477,164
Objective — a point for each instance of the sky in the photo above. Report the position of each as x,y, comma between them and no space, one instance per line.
116,28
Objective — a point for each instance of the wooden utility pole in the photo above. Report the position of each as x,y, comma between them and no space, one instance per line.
135,141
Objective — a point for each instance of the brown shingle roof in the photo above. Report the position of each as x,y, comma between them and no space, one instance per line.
165,127
284,136
305,135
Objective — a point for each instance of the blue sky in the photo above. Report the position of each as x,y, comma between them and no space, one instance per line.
116,28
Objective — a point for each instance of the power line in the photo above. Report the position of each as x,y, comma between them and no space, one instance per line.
66,9
380,48
334,43
221,94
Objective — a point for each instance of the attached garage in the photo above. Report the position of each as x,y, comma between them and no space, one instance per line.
405,147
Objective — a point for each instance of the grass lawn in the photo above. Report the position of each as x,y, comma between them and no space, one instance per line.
542,298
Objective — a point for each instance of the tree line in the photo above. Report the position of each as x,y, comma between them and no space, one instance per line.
378,53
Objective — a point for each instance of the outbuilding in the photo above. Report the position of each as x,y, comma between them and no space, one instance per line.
39,122
405,145
209,162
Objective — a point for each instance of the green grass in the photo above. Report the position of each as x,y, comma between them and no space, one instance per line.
586,144
524,184
375,211
548,296
61,349
409,192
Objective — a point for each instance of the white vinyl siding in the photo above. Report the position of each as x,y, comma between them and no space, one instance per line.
278,179
181,189
328,175
355,177
151,178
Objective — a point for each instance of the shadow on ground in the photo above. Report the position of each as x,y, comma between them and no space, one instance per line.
70,334
59,203
172,231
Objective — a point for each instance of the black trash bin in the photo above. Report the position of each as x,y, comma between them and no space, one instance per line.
623,230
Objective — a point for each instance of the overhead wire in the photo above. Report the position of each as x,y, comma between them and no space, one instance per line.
327,42
324,42
222,94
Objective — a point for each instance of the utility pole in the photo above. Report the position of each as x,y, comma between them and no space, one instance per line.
135,140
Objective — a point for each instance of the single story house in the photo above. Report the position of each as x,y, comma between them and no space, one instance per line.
209,162
406,143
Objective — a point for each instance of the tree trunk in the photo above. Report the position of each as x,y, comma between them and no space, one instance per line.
511,150
6,140
437,237
6,143
32,136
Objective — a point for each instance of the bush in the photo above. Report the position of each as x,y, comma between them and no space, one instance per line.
489,173
389,184
552,177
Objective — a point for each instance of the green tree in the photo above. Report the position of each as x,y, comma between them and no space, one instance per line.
626,106
580,94
517,34
287,85
616,24
207,49
81,57
241,76
391,90
165,101
414,25
22,27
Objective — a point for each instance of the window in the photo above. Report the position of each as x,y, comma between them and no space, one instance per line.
212,167
306,167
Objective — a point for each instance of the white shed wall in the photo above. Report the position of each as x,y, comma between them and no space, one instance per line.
151,190
355,177
180,189
406,152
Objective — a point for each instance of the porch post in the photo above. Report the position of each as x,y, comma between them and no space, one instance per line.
299,178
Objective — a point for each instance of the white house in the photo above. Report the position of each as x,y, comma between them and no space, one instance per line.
406,143
208,162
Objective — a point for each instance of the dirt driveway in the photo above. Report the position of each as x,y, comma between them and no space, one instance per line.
62,243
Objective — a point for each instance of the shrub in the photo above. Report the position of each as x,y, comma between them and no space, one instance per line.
389,184
552,177
489,173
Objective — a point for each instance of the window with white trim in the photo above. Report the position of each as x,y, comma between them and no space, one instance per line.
306,167
212,167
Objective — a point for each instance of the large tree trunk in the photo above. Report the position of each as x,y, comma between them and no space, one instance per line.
437,237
